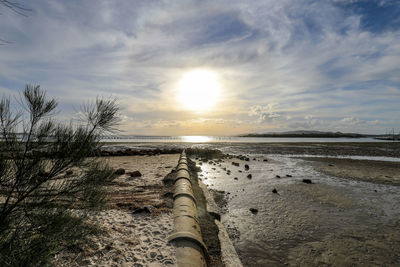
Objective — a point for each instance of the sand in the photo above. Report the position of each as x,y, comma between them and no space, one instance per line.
136,223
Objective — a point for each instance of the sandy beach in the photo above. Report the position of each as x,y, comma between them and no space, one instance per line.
138,219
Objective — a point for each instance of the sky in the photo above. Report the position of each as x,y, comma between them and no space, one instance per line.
330,65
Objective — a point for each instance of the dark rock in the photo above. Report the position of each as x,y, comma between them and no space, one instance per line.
376,191
277,176
254,159
249,176
235,164
307,181
331,165
69,172
288,175
235,178
135,174
274,191
246,159
246,167
145,209
265,160
254,211
239,171
119,171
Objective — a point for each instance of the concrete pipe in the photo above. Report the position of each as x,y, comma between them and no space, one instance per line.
190,248
182,166
183,174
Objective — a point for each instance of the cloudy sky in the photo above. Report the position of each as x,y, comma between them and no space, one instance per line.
280,65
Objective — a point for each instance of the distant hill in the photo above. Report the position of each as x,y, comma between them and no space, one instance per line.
304,133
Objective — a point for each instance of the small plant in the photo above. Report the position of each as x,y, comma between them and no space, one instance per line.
50,177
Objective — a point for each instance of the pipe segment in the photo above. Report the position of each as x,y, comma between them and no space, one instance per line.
190,247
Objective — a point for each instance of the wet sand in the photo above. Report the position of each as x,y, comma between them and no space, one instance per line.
379,172
348,216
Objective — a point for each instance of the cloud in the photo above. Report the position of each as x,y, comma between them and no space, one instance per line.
264,113
327,59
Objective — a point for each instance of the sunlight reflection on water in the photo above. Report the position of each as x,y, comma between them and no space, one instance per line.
196,139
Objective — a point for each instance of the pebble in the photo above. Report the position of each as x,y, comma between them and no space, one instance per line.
253,210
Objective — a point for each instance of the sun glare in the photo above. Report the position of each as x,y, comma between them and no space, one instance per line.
199,90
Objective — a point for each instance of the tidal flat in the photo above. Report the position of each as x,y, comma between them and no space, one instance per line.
347,216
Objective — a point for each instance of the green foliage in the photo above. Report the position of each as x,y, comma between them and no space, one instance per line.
49,180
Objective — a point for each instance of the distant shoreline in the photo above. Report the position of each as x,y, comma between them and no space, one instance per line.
307,135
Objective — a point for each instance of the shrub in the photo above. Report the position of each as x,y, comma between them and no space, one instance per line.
43,204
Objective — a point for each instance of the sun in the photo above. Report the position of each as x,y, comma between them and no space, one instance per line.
199,90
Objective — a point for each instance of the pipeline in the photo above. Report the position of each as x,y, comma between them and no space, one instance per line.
190,248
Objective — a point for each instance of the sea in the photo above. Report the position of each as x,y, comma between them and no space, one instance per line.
229,139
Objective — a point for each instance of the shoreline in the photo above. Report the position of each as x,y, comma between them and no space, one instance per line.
295,220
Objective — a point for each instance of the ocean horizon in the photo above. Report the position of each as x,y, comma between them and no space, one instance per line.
230,139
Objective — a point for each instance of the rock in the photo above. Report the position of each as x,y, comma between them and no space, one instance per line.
239,171
331,165
135,174
145,209
235,164
277,176
254,159
307,181
253,210
288,175
153,254
265,160
119,171
246,159
69,172
249,176
274,191
246,167
235,178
